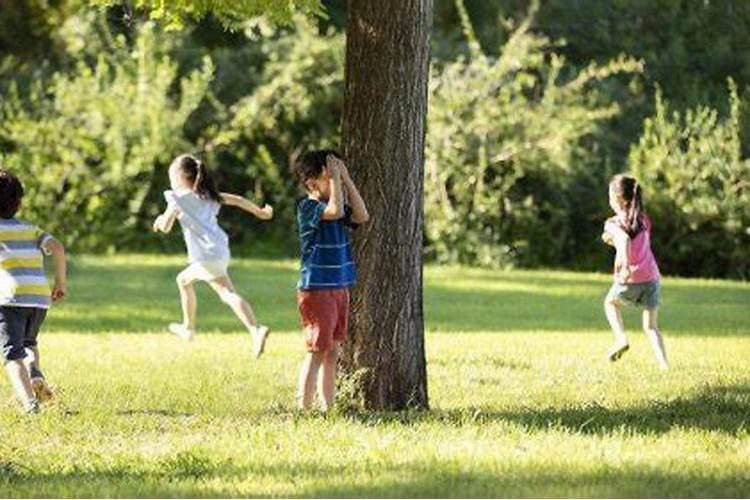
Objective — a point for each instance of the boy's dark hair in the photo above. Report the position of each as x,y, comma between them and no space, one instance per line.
197,174
311,164
11,193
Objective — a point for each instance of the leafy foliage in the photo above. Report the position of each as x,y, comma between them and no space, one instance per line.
88,142
698,184
231,12
503,135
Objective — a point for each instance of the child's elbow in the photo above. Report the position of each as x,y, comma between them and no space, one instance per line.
55,247
362,218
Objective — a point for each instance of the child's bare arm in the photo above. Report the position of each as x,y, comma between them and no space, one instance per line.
622,247
54,248
335,206
360,215
234,200
165,221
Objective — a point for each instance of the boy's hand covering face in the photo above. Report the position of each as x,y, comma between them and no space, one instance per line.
334,166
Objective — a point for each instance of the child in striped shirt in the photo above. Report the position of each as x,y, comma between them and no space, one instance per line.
327,269
25,295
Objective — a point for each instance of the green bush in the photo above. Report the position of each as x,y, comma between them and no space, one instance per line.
88,142
697,186
504,134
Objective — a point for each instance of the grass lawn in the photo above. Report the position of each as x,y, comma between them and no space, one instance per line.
523,401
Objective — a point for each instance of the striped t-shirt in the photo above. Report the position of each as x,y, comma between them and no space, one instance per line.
22,279
326,248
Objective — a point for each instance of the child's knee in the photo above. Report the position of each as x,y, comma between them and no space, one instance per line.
182,281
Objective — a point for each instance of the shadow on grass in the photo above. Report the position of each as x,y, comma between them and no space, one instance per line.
724,409
195,475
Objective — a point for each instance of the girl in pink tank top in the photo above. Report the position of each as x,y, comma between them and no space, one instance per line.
636,273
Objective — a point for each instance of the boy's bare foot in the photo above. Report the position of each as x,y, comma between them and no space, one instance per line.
617,350
260,335
42,391
182,331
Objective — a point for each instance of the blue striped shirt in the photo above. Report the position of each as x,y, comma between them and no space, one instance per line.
326,249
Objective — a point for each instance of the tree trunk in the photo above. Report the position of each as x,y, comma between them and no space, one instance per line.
385,108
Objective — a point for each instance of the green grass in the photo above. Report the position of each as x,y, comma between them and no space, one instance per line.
524,403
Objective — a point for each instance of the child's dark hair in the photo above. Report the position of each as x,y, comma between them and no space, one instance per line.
197,174
311,164
11,193
630,194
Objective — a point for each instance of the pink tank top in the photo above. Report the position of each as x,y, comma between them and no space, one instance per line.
642,262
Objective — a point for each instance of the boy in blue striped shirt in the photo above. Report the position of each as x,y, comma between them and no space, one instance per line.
327,270
25,294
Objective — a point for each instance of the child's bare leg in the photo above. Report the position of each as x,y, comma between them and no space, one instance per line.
225,289
188,300
614,317
651,329
19,379
327,385
308,376
33,363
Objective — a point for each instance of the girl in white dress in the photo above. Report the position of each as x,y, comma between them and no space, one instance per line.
195,202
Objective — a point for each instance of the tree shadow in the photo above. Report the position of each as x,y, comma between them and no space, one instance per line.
194,475
724,409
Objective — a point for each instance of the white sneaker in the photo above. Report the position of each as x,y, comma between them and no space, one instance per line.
181,331
259,339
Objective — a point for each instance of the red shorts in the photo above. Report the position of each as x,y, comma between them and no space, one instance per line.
325,314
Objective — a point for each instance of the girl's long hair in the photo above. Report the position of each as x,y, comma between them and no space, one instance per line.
196,173
629,193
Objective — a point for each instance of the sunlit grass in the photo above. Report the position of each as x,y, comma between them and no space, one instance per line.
523,401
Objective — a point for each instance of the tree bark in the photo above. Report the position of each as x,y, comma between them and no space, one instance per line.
385,108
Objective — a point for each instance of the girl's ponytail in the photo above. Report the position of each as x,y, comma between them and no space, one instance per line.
196,173
630,194
634,211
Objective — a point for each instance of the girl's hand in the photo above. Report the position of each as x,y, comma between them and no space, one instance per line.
622,272
608,238
159,224
266,213
59,290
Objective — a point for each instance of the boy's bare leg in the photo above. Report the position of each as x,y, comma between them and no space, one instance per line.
308,376
32,362
42,392
327,387
651,329
19,379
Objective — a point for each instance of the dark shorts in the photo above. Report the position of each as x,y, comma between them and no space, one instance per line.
646,295
19,327
325,316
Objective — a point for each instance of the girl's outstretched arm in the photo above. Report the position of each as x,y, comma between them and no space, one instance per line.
234,200
165,221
